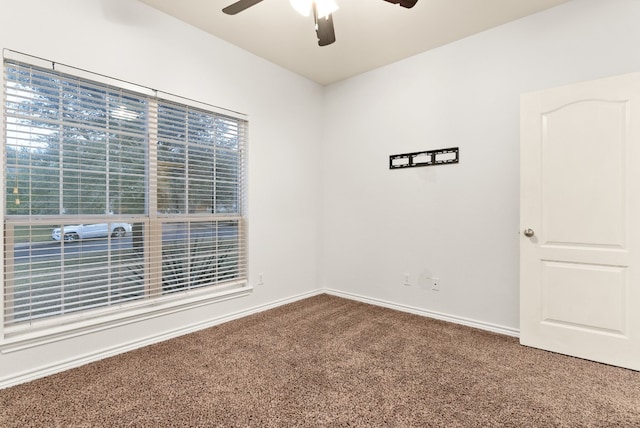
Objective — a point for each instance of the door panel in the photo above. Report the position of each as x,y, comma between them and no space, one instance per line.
583,295
583,189
579,282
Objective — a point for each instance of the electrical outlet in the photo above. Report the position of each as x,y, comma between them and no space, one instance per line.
260,279
435,285
406,279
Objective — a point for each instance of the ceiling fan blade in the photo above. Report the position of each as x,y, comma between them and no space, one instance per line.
324,28
404,3
239,6
324,31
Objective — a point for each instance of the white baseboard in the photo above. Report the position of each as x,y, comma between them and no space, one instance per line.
508,331
80,360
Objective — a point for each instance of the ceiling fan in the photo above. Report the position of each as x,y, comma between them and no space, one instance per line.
322,14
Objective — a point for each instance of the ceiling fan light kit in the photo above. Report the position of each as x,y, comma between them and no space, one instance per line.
324,7
322,14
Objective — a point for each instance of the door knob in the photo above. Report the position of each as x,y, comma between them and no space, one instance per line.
528,233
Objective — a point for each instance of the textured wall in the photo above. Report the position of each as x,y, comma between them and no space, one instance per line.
456,222
130,41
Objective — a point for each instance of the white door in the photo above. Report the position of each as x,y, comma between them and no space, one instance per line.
580,220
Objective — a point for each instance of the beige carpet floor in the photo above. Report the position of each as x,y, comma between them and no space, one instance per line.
331,362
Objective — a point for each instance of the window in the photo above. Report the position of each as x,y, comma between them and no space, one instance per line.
114,198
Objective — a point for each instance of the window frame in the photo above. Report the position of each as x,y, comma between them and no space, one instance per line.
154,303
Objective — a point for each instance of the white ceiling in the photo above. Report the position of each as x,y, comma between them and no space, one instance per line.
369,33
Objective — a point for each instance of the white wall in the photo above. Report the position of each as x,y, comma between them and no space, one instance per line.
128,40
456,222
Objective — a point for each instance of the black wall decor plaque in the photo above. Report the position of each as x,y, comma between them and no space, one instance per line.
425,158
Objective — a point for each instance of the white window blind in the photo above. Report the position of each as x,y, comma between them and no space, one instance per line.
114,196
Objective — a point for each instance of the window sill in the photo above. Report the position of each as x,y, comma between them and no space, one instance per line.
94,321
